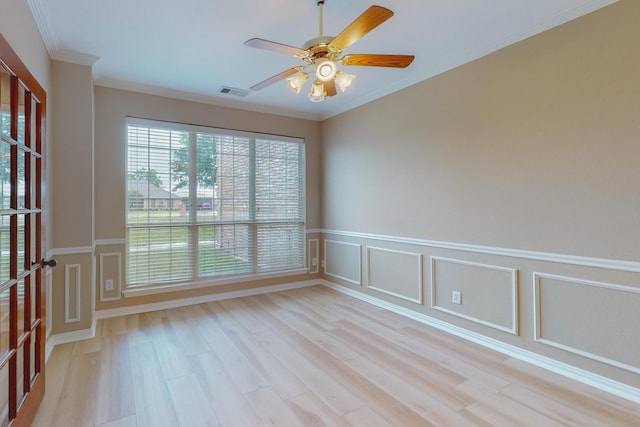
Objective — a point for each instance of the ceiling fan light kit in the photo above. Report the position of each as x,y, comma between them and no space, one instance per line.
318,92
298,80
344,80
322,55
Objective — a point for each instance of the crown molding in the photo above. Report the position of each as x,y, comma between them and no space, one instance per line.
74,57
41,16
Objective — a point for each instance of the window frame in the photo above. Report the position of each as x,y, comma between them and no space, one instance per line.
195,279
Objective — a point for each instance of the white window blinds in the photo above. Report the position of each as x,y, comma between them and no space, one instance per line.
240,210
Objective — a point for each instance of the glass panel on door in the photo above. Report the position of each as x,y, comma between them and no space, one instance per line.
5,102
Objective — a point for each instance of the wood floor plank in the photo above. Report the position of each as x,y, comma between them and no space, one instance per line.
365,416
298,307
499,408
308,304
171,355
182,320
90,345
122,422
114,386
412,368
556,409
273,411
585,399
57,368
340,400
113,326
190,402
416,399
321,338
152,402
242,313
244,374
277,375
311,411
410,419
229,404
138,331
77,402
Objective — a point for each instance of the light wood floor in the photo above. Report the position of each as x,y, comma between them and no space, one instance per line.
307,357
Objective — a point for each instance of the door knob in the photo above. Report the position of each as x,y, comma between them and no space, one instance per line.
49,262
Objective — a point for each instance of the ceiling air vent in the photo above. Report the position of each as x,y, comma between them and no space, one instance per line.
234,91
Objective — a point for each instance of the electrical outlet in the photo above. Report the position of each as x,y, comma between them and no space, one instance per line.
322,264
456,297
314,261
108,285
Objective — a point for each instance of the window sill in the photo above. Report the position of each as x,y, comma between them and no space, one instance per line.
139,291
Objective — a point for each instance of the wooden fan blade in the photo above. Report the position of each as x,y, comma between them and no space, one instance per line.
373,60
366,22
330,87
274,79
276,47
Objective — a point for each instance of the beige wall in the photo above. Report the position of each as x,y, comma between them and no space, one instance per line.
72,156
533,147
514,179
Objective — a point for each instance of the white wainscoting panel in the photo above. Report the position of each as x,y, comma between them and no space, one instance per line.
72,279
395,273
110,269
587,318
489,292
48,283
313,254
343,261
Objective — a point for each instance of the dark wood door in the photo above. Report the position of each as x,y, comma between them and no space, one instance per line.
22,118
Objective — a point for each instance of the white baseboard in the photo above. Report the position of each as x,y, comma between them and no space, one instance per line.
68,337
84,334
597,381
164,305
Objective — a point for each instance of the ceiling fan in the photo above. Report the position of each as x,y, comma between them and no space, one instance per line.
323,53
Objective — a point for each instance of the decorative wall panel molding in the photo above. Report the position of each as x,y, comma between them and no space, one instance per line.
106,242
313,256
110,274
72,280
489,293
395,273
48,283
342,260
585,317
71,250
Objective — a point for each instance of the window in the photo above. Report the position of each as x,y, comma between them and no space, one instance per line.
205,202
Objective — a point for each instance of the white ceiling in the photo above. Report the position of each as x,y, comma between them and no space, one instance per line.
189,49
